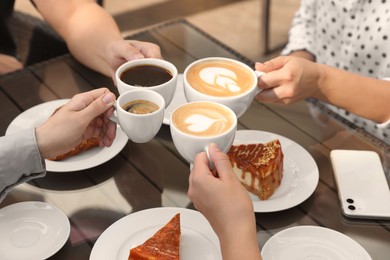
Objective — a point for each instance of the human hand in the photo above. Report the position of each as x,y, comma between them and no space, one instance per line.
85,115
121,51
222,200
288,79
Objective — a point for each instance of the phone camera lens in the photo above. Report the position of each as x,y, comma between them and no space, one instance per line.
350,201
351,207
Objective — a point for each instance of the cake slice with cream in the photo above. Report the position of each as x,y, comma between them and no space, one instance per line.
259,167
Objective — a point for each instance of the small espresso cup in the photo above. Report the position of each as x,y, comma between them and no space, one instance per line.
140,114
222,80
154,74
195,125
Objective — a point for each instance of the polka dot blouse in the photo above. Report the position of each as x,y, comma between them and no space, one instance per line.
353,35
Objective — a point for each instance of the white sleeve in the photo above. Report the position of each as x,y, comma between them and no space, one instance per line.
302,34
20,160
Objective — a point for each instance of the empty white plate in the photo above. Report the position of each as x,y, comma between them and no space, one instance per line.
312,242
32,230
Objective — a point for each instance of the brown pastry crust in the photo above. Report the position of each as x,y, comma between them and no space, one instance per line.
163,245
83,146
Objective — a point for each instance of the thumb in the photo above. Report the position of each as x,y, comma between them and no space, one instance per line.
272,65
99,106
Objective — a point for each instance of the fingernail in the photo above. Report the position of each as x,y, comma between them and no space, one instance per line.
109,98
138,56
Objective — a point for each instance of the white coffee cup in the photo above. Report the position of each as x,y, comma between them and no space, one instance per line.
140,128
222,80
165,88
195,125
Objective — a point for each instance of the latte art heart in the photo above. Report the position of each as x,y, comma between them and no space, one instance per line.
202,119
200,123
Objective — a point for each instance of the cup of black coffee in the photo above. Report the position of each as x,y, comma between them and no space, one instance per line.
153,74
140,114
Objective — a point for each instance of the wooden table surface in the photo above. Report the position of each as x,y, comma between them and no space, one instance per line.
153,174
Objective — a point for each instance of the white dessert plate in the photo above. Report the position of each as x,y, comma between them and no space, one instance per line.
312,242
197,241
300,174
38,114
178,99
32,230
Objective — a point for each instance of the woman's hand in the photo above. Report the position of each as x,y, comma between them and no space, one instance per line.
85,115
226,205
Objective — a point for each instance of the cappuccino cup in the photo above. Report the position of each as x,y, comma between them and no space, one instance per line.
222,80
149,73
140,114
195,125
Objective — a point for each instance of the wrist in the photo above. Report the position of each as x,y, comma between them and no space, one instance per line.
43,142
321,78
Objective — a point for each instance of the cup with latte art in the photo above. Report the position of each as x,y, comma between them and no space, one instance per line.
195,125
222,80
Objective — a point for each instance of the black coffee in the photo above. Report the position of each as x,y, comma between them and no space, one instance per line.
145,75
140,107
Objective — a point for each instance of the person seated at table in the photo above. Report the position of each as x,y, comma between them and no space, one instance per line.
85,115
226,204
348,35
89,31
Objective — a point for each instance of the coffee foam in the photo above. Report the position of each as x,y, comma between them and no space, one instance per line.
202,119
220,78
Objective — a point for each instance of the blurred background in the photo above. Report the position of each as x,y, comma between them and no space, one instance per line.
240,24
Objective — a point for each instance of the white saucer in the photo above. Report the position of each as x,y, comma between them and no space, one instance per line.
178,99
300,174
32,230
198,240
312,242
38,114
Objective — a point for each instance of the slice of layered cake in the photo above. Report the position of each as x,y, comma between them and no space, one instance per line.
259,167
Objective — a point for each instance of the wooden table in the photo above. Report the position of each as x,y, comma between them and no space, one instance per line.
150,175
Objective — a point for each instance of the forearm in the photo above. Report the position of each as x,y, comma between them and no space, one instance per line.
20,160
240,244
86,27
364,96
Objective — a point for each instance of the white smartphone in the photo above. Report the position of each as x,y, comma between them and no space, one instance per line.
362,186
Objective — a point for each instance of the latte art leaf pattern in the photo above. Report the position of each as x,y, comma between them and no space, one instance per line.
220,77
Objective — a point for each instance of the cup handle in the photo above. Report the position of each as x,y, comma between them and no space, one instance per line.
113,117
211,164
259,74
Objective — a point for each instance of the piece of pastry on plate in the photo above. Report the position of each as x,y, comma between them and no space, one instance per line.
164,244
258,166
81,147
